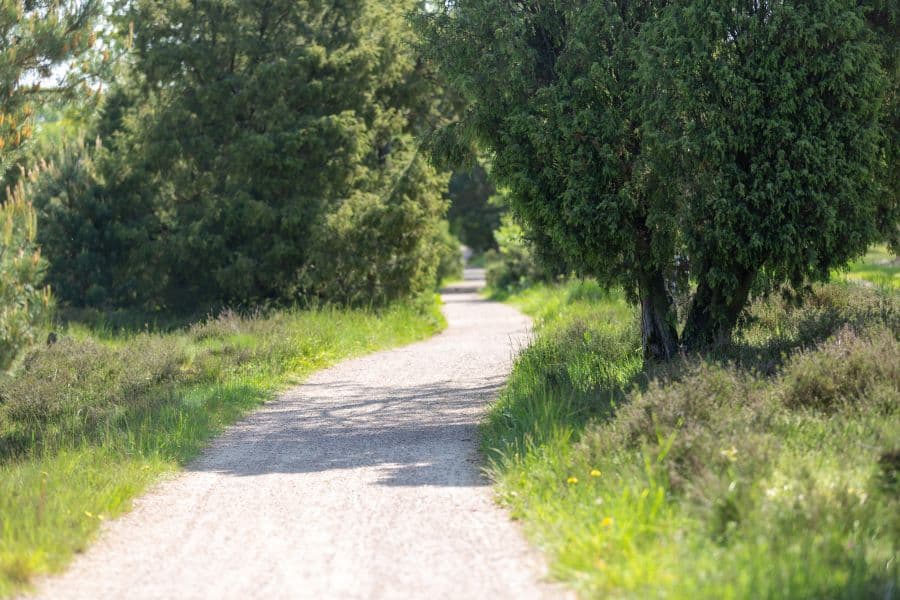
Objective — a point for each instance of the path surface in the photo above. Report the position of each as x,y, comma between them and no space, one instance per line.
362,483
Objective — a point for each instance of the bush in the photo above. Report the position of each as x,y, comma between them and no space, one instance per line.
450,265
23,302
80,229
845,372
514,265
372,250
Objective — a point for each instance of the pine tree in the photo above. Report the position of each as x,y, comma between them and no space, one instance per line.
35,35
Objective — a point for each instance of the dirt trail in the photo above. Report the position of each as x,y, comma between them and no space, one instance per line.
363,482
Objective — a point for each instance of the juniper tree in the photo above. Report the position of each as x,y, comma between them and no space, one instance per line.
650,141
256,146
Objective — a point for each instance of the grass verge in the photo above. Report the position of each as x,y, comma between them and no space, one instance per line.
767,471
88,423
879,266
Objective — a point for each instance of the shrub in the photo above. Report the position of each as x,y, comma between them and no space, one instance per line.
23,302
844,373
513,265
450,258
78,227
374,249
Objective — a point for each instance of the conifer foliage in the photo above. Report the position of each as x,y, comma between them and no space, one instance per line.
260,150
35,35
664,146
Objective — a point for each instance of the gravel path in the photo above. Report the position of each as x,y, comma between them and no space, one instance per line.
362,483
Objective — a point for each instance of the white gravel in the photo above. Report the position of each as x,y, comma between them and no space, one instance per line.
362,483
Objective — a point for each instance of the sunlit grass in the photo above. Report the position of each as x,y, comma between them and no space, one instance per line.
879,266
87,425
768,471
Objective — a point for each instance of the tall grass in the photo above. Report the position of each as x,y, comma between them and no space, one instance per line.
768,470
87,423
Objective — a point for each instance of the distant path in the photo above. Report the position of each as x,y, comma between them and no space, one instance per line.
363,482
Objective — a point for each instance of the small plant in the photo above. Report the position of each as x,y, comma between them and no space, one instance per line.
23,302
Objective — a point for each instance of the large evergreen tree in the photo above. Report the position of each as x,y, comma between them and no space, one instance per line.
647,140
248,136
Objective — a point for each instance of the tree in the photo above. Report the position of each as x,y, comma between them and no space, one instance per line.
253,145
626,149
35,35
768,119
23,302
474,214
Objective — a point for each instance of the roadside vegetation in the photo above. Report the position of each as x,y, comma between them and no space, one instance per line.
87,423
879,267
767,469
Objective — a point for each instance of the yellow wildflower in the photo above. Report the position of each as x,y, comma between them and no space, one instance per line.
730,454
607,522
572,480
595,473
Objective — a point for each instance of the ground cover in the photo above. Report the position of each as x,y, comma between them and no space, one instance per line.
879,266
87,423
766,470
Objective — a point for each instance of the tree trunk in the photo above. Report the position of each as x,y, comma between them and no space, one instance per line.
659,335
713,315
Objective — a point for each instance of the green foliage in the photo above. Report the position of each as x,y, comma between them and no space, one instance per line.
514,264
652,143
80,228
474,214
255,152
35,35
24,304
683,480
88,423
373,250
450,265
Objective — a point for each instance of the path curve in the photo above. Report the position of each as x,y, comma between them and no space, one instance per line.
364,482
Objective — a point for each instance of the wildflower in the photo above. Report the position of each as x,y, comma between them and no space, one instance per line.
730,453
595,473
607,522
572,480
87,514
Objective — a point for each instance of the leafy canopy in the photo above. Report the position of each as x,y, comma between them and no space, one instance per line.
652,142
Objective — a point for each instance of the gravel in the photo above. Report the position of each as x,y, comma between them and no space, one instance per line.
364,482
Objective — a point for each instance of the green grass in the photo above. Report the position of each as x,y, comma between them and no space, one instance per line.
766,471
87,424
879,266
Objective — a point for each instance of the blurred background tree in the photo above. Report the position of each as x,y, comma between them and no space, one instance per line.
36,36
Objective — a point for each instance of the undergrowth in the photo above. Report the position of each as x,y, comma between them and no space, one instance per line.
765,470
88,422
